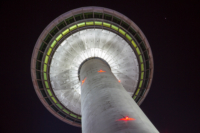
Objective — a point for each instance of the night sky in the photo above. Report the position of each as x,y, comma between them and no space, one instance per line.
172,29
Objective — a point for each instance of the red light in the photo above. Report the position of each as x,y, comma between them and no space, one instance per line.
83,81
119,80
126,119
101,71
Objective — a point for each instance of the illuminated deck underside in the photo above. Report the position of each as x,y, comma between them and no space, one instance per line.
84,45
82,34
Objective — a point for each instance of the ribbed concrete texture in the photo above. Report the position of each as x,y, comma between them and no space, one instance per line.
104,102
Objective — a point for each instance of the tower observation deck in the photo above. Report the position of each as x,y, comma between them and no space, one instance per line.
91,67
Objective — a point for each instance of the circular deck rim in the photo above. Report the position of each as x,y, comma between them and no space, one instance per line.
67,15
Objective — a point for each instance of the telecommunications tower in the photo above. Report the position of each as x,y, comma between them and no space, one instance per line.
91,67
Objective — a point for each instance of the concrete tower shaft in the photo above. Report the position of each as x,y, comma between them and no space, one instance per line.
68,45
105,103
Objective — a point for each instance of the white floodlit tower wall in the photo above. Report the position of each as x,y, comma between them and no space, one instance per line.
74,39
105,101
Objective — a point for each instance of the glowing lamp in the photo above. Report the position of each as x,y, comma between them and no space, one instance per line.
101,71
126,119
83,81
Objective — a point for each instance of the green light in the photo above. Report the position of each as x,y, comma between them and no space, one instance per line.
142,75
46,84
46,59
81,24
114,27
59,37
53,44
141,60
140,84
54,99
73,115
49,91
128,37
137,91
66,111
49,51
122,32
134,44
59,106
73,27
138,51
89,23
142,67
79,117
45,76
98,23
45,68
65,32
106,24
134,97
92,23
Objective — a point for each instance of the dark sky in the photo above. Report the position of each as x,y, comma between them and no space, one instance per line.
172,29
